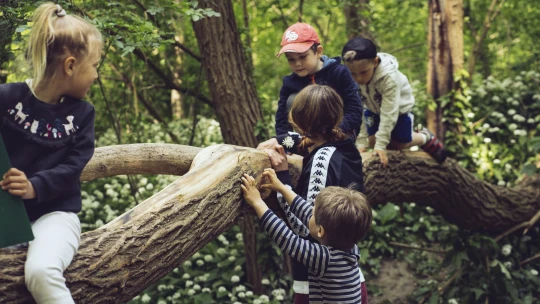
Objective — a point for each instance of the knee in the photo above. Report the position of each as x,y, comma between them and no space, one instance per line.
38,275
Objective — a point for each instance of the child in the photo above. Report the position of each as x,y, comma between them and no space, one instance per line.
48,157
388,100
339,219
332,159
304,53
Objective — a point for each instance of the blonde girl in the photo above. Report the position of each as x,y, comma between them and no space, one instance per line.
48,131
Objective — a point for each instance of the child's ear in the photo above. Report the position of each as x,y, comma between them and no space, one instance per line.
69,65
377,61
319,52
320,232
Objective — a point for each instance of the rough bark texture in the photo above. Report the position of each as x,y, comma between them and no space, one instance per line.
122,258
236,103
445,40
357,23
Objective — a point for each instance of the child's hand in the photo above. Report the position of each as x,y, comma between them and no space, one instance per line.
278,158
16,183
382,156
252,195
273,182
249,188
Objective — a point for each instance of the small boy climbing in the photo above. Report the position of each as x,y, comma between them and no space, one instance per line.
339,219
387,99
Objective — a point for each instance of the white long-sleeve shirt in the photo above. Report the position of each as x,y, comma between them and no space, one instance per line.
388,94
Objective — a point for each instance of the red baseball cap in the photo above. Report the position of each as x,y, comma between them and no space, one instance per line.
298,38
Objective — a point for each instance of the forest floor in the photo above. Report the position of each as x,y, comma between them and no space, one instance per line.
395,280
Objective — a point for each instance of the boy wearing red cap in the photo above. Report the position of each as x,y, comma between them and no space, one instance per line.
388,100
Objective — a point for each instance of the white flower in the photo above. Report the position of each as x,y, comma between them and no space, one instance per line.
221,289
237,303
249,293
241,295
493,130
485,126
189,283
508,264
196,255
161,302
496,161
429,209
507,166
470,115
199,262
235,279
453,301
512,141
239,237
206,289
265,281
520,132
503,120
495,99
161,287
187,264
501,183
257,301
197,287
264,299
208,258
534,272
231,258
512,127
240,288
288,142
511,112
487,140
279,297
396,208
421,220
506,249
518,118
191,292
146,298
237,268
186,276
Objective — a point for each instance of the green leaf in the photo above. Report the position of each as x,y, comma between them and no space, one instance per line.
388,213
529,169
477,293
195,17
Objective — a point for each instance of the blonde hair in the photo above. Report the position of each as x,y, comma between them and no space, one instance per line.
344,214
317,111
53,37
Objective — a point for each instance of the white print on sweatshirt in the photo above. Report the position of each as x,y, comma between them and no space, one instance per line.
388,95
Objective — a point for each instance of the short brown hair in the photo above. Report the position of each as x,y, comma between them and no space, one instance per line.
345,215
318,111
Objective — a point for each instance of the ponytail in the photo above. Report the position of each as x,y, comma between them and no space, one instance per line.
54,36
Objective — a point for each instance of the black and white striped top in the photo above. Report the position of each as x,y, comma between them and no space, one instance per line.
334,276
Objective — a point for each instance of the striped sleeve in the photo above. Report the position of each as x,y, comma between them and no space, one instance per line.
302,209
315,256
294,222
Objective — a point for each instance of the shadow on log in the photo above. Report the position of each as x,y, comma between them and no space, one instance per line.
119,260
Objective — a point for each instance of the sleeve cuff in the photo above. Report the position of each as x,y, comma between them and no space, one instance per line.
38,188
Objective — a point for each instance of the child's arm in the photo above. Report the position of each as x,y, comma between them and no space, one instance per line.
252,195
286,197
390,91
362,140
352,105
64,179
282,115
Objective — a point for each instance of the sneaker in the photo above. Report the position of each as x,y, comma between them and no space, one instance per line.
433,146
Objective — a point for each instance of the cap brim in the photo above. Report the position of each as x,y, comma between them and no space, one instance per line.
295,47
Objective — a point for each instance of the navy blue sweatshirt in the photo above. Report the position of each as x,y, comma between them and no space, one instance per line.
331,164
333,74
50,143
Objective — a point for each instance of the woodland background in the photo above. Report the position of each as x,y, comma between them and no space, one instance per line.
172,73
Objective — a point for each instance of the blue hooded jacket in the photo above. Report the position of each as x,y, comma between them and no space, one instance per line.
333,74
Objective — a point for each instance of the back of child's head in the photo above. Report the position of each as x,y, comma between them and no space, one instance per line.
317,111
344,214
359,48
299,38
55,36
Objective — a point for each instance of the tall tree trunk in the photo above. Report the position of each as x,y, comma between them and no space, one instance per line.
357,23
119,260
445,40
235,99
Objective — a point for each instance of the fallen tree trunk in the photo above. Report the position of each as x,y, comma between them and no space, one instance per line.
119,260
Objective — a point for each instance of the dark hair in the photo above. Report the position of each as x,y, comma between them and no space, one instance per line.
359,48
314,47
344,214
317,111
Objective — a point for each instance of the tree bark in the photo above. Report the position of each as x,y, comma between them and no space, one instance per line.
445,40
119,260
357,23
236,104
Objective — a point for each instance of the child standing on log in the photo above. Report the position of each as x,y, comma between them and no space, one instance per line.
48,157
338,219
387,99
332,159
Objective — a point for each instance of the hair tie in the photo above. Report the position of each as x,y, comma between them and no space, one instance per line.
60,12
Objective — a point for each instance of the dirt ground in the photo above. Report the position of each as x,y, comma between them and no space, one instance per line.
395,281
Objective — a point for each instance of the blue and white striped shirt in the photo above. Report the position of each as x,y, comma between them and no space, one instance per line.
334,276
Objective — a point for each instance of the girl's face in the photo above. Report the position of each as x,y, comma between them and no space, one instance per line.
85,72
306,63
362,70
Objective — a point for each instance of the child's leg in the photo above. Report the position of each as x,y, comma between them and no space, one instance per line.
418,139
57,237
363,292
